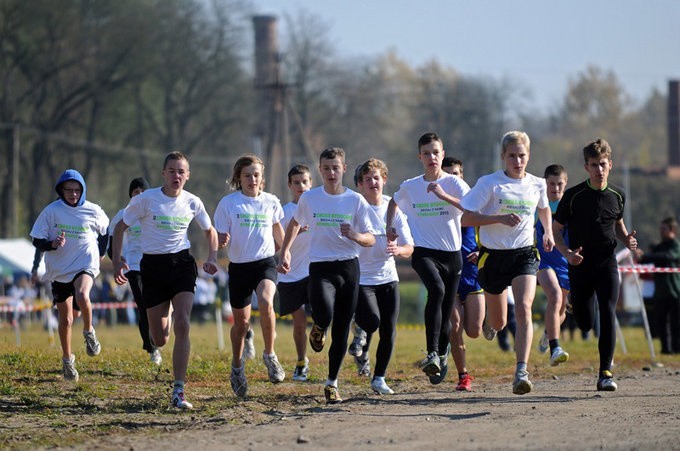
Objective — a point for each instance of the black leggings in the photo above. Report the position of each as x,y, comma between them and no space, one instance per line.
440,272
378,309
588,283
135,281
333,292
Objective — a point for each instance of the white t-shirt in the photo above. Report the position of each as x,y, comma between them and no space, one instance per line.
324,213
249,221
434,223
82,226
498,194
299,249
377,266
164,220
132,242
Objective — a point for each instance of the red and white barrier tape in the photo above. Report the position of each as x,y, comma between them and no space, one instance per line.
644,269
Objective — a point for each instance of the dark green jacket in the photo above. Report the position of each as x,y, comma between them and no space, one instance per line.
666,254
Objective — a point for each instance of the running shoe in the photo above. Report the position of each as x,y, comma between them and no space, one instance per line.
92,344
606,382
557,356
488,331
380,387
274,368
356,348
68,368
522,384
179,401
444,367
301,370
317,338
465,383
155,356
332,395
363,366
238,382
543,343
430,365
249,345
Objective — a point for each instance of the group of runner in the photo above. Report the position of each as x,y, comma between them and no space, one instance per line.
337,250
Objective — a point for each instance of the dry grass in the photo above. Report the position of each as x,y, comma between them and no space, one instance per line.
120,391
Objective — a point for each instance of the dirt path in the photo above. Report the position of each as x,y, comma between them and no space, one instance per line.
559,414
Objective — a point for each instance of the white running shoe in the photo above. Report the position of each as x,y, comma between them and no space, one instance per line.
543,343
301,370
357,347
488,331
92,345
606,382
249,345
179,401
558,356
274,368
522,384
380,387
363,366
68,367
156,357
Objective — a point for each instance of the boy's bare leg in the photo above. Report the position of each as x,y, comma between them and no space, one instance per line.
524,289
265,298
182,303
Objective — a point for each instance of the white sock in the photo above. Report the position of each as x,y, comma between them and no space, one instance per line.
333,382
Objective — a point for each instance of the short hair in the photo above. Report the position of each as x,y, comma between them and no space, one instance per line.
372,164
298,169
174,155
243,162
555,170
451,161
332,152
671,223
515,137
427,138
597,149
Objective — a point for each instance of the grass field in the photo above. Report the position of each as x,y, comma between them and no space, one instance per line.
122,391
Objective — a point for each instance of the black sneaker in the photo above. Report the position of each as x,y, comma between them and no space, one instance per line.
606,382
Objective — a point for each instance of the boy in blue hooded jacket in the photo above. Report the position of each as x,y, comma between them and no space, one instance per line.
71,231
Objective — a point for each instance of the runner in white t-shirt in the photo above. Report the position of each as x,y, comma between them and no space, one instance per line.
248,223
71,231
168,269
502,205
293,287
132,253
430,202
338,219
378,305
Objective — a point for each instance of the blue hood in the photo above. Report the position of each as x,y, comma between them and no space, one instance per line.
71,174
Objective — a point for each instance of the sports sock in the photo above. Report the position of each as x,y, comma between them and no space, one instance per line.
333,382
554,344
521,366
179,384
462,375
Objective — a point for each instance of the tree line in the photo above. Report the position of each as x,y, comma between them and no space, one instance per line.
109,88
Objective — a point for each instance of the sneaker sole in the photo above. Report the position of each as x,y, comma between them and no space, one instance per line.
468,389
521,388
561,359
381,392
300,378
432,369
438,379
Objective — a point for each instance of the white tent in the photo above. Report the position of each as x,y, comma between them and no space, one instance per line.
16,255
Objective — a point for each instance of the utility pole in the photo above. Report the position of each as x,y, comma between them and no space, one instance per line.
274,108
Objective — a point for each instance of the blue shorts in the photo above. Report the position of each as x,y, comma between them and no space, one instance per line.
555,261
468,281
